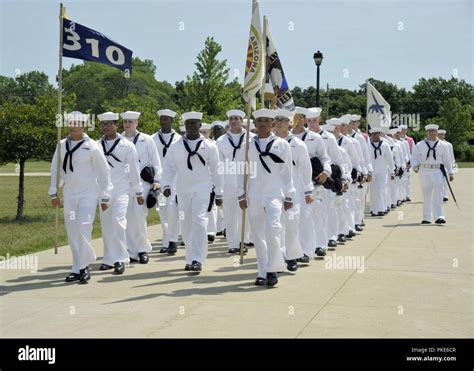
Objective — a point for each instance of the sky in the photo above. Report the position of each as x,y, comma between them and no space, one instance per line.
396,41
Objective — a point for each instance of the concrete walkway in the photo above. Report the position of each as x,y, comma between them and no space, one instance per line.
415,281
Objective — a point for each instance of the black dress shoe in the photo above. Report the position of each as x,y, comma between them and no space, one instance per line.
381,213
260,281
408,199
320,251
182,243
234,250
224,233
105,267
292,265
271,280
172,248
163,250
304,259
72,277
332,243
188,267
196,266
425,222
341,238
143,257
220,233
84,275
210,238
445,199
373,214
119,268
351,234
132,260
392,206
358,228
399,203
250,244
440,221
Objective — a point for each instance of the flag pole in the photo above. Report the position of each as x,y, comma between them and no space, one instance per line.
246,168
264,34
59,123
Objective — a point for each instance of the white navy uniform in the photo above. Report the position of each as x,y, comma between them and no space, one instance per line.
193,166
231,146
266,192
169,216
383,166
122,159
428,156
302,180
137,233
85,178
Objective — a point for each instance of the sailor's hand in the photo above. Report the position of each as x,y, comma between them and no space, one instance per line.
56,202
167,192
309,199
321,178
287,205
104,206
140,200
243,204
369,178
156,186
451,178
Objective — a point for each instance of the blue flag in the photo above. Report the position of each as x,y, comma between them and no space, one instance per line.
84,43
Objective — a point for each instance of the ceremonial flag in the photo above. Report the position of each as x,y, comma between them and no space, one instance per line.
81,42
255,64
378,109
275,71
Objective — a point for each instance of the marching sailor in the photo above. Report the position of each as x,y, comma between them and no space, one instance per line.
150,172
407,175
85,178
122,159
193,161
432,159
269,191
164,138
441,136
302,180
383,165
313,236
231,145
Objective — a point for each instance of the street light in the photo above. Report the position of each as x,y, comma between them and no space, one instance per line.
318,59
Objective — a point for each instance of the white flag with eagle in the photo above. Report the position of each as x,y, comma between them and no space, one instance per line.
378,109
254,67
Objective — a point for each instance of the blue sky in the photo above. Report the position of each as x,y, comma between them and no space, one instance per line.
397,41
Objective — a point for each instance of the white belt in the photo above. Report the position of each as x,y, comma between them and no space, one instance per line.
431,166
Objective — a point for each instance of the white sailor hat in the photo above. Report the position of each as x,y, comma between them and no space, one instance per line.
264,112
328,127
355,117
393,131
284,113
301,110
108,116
236,112
76,116
375,130
205,126
431,127
191,116
441,131
130,115
403,127
166,112
313,112
218,123
334,121
345,119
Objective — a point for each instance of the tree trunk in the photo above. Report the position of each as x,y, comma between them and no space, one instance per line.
21,191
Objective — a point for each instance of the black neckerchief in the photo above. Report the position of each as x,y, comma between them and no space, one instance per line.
109,152
165,145
236,147
267,152
377,148
69,153
192,153
431,149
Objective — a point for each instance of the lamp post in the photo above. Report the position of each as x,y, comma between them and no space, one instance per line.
318,58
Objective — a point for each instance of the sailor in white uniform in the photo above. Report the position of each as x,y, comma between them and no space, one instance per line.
269,192
231,145
432,159
122,159
150,171
193,161
85,179
168,209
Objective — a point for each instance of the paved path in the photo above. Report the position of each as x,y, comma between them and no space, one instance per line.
417,282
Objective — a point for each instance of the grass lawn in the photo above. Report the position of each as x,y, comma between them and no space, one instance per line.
36,231
465,164
32,166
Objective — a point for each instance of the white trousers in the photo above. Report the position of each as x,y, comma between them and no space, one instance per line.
79,214
137,233
233,222
332,218
290,241
378,186
169,218
320,218
113,222
193,209
220,219
212,216
265,215
360,203
406,183
431,181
